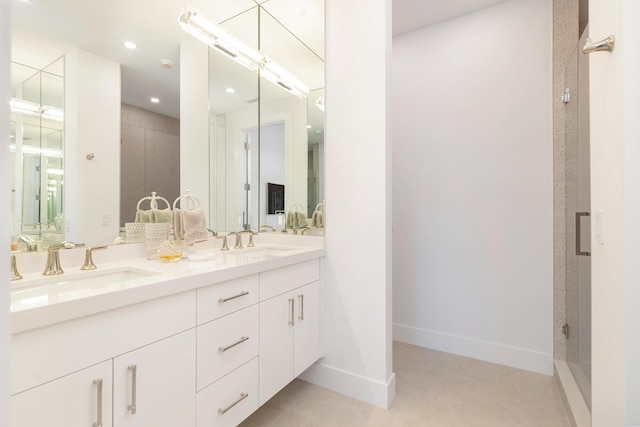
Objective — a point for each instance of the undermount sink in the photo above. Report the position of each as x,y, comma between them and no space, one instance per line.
248,255
30,293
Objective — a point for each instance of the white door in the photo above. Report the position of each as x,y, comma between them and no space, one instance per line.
81,399
307,327
277,319
160,379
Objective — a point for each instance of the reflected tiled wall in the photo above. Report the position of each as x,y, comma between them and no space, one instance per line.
150,158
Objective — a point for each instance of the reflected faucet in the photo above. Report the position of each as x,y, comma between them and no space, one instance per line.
32,245
269,227
53,267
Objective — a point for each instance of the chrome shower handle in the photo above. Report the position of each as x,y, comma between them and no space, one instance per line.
578,229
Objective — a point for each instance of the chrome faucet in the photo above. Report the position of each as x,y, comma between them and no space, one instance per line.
88,258
239,234
224,247
53,258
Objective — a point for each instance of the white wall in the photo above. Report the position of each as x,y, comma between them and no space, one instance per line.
472,181
5,81
92,125
615,189
194,121
356,274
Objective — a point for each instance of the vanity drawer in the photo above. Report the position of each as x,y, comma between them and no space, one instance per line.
281,280
219,300
227,395
225,344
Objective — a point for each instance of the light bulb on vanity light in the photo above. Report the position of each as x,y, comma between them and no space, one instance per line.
154,100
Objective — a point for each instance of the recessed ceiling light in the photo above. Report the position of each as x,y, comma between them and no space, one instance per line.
130,45
308,126
229,90
155,100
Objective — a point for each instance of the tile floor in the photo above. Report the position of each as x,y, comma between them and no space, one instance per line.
433,389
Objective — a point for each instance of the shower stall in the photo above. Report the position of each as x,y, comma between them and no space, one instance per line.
578,220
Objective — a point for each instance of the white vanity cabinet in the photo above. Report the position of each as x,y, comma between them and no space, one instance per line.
290,325
207,355
155,385
54,368
80,399
228,338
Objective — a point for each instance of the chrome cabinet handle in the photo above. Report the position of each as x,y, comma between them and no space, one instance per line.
291,305
241,294
134,384
240,341
98,383
243,396
301,298
578,251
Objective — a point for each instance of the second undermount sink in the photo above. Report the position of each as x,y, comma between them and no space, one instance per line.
28,293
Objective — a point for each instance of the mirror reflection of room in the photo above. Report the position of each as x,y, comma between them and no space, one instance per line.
119,136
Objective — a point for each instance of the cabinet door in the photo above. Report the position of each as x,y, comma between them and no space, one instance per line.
307,327
160,379
277,319
76,400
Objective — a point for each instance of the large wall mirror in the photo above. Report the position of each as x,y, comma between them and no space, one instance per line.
76,192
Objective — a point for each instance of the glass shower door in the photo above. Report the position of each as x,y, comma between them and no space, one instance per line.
578,220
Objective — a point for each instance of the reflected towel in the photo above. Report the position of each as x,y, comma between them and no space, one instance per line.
301,219
161,215
317,219
144,216
194,226
177,224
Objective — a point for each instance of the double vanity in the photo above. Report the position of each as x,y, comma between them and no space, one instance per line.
199,342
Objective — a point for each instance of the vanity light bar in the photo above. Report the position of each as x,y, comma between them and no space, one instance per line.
212,34
29,149
22,106
52,113
205,30
278,75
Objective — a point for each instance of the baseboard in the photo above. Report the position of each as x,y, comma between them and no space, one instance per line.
477,349
577,409
365,389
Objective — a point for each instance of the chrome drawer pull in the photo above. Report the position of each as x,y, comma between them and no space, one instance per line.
291,304
98,383
301,298
134,383
241,294
242,397
240,341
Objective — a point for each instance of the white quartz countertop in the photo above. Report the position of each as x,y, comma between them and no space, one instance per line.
38,301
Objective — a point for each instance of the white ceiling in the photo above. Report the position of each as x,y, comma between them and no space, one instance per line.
411,15
43,30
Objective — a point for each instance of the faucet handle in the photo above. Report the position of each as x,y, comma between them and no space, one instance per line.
15,275
224,247
88,258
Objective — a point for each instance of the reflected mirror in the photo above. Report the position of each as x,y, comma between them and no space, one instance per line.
36,153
